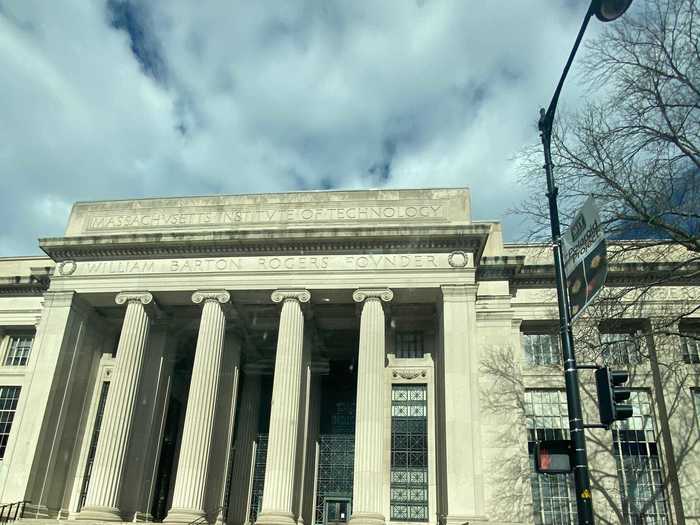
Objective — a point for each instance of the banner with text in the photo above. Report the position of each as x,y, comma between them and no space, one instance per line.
585,257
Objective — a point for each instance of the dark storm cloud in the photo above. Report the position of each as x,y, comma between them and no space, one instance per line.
126,99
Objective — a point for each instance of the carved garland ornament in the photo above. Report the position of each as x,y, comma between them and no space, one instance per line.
409,373
458,259
303,296
366,293
67,267
221,296
126,297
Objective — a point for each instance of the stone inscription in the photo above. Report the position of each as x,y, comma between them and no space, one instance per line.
191,217
296,263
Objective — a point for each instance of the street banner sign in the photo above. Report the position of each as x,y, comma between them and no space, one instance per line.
585,257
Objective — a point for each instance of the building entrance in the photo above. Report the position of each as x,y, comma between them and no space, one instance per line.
336,445
336,511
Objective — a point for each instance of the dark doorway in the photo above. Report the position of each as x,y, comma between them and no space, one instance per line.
336,444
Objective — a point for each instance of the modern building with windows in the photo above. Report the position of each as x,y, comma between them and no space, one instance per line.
320,358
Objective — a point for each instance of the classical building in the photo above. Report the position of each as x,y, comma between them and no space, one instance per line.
304,358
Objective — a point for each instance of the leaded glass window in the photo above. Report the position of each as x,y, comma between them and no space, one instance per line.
541,349
639,466
93,444
18,350
690,345
620,349
258,477
9,396
546,418
408,344
409,453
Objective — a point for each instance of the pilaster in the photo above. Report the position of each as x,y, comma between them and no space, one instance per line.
369,423
462,452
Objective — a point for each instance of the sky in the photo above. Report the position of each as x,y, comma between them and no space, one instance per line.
116,100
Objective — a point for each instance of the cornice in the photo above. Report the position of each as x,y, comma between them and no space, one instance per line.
620,274
34,284
403,239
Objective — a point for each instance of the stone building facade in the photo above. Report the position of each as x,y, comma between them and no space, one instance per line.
315,357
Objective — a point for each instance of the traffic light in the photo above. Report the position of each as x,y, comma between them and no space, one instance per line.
610,394
553,456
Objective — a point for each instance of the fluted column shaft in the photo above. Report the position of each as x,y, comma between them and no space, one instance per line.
102,501
278,492
192,467
369,411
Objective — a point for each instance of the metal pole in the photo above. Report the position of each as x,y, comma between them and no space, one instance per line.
582,482
584,502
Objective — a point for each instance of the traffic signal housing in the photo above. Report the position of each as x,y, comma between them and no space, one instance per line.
611,394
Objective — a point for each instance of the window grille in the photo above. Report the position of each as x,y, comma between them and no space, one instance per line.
18,351
620,349
9,396
93,445
409,453
547,417
690,345
408,344
541,349
639,466
335,470
336,449
258,477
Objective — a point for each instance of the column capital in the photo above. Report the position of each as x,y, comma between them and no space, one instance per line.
362,294
458,292
301,295
127,297
203,296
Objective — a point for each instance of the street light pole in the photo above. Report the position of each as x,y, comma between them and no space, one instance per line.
605,11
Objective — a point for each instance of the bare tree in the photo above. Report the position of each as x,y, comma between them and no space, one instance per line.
636,147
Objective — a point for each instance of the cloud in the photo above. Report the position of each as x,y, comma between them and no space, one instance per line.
133,99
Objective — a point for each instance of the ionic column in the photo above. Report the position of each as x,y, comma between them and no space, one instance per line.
192,467
369,411
102,501
278,492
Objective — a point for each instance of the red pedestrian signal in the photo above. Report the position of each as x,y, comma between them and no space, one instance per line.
553,457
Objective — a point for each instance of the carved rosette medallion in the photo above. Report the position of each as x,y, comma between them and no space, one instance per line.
458,259
126,297
67,267
220,296
303,296
383,294
409,373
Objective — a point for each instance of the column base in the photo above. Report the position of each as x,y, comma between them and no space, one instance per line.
179,515
36,511
275,518
143,517
367,518
98,513
464,519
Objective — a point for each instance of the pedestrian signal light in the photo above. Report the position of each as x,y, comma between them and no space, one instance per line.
553,456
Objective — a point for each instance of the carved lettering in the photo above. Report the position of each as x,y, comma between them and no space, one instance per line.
184,218
292,263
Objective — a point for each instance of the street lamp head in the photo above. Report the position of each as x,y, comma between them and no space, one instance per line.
609,10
